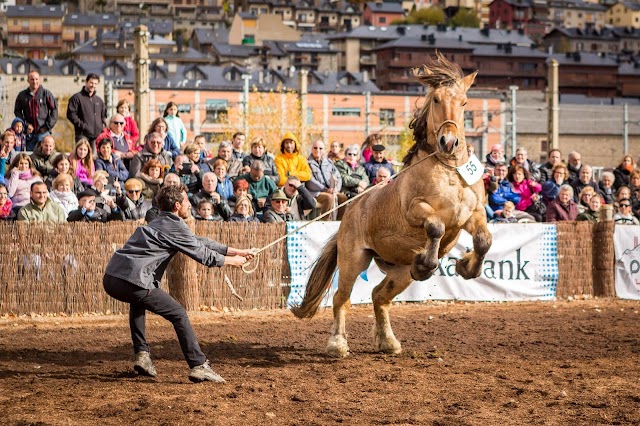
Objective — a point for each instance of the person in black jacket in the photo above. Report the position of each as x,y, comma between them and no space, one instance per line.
38,108
87,210
87,112
134,273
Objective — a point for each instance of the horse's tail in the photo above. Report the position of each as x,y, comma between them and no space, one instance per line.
319,280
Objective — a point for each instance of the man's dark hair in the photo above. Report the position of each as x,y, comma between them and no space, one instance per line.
236,134
93,76
168,196
34,184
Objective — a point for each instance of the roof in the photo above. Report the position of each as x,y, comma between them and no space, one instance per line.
210,36
84,19
584,58
422,42
164,27
516,51
605,34
384,7
318,45
41,11
234,50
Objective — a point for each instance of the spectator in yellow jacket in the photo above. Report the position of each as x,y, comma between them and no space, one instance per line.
290,162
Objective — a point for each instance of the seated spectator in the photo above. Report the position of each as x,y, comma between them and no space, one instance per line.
495,157
204,211
87,210
107,160
192,151
260,186
335,152
605,186
20,177
554,157
624,216
152,176
584,198
153,150
562,208
40,208
225,187
278,211
189,173
43,156
530,199
507,214
243,211
500,189
6,211
7,145
225,152
354,176
170,179
259,152
62,193
132,205
3,164
301,203
523,161
82,162
624,192
159,126
585,178
105,193
592,214
241,189
551,187
221,209
574,166
622,172
376,161
18,128
382,175
122,146
290,162
130,125
325,183
201,141
62,165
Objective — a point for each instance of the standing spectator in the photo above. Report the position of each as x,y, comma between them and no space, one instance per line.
62,193
563,208
121,145
40,208
260,186
225,152
107,160
208,193
585,178
152,176
159,125
530,199
377,161
130,127
82,162
43,156
605,186
175,126
87,210
87,112
17,127
8,144
225,187
21,175
237,141
279,211
367,146
584,198
554,157
335,152
623,171
132,205
258,152
592,214
325,183
624,215
494,157
243,211
38,108
62,165
6,211
300,201
574,166
153,150
290,162
523,161
551,187
353,175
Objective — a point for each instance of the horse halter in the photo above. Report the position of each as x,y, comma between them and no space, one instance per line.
435,136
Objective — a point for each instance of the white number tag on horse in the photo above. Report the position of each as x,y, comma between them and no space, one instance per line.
472,170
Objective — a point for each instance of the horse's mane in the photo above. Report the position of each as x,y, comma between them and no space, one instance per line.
441,72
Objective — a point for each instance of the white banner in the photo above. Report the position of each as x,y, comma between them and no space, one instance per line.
626,246
521,265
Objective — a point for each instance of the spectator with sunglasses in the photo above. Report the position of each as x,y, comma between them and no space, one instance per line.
624,216
132,205
122,145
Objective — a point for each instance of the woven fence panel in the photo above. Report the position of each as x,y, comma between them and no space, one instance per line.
575,259
603,259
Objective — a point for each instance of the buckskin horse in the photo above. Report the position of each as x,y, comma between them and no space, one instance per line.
409,224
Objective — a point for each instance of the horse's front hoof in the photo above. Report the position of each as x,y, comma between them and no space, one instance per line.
465,269
337,347
388,346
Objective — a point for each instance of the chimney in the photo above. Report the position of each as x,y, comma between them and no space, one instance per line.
121,39
99,38
172,67
423,37
401,30
9,68
179,41
432,39
365,76
260,77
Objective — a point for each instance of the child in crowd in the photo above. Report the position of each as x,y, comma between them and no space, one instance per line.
175,126
507,214
17,127
82,162
204,211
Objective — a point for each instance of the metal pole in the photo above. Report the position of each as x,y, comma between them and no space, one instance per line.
625,129
514,140
367,112
553,110
245,103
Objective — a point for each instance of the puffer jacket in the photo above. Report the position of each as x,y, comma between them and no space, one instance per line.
294,164
526,189
351,177
323,174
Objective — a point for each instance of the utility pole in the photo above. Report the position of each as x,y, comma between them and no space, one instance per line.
367,112
514,139
304,89
625,129
141,79
245,103
553,110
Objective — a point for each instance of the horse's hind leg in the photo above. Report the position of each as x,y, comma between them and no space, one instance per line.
350,265
470,265
397,279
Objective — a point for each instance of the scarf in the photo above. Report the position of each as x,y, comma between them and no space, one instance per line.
5,209
25,175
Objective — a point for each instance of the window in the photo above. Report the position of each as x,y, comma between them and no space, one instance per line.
48,39
216,109
387,117
346,112
46,25
184,108
382,20
527,67
468,120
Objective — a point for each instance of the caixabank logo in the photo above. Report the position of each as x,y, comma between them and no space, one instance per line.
627,250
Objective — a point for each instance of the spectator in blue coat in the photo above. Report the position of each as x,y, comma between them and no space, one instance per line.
376,161
500,190
106,160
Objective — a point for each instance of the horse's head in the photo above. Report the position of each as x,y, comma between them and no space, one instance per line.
440,120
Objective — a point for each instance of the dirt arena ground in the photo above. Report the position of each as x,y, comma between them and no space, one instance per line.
552,363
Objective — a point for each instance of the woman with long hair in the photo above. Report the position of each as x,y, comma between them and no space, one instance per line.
243,211
175,126
62,165
130,125
622,173
367,146
529,190
20,176
6,210
159,125
82,162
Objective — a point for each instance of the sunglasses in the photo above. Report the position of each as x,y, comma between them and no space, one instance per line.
625,205
351,154
118,122
134,191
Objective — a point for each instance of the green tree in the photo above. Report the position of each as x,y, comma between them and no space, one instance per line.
465,18
430,16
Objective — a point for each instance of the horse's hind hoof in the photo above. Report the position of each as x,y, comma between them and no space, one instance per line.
391,347
337,347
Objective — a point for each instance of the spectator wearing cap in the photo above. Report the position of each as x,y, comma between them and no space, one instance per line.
376,161
495,156
279,211
132,205
554,157
290,162
300,200
325,182
87,210
260,186
563,208
107,160
624,216
40,208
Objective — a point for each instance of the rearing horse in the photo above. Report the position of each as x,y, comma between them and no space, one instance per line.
407,225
